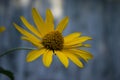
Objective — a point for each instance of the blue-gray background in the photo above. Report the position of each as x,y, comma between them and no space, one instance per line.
99,19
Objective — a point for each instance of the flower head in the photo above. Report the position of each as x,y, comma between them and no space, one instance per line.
2,29
49,41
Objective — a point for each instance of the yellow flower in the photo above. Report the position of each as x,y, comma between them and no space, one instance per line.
49,41
2,29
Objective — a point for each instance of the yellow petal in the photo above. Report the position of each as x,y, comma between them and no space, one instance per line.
83,54
62,25
79,40
71,36
37,44
62,58
49,20
2,29
87,45
30,27
47,58
25,33
39,22
74,59
67,46
34,54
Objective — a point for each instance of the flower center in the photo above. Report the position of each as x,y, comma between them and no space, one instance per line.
53,41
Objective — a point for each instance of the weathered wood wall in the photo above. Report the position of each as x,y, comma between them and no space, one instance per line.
97,18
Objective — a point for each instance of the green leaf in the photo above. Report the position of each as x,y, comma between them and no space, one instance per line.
7,73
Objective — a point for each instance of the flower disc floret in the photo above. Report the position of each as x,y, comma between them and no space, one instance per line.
53,41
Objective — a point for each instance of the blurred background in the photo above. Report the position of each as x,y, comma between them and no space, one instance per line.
99,19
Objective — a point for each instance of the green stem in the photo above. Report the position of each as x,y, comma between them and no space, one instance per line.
15,49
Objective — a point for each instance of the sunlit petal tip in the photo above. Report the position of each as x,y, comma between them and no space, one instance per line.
48,10
34,54
46,65
74,58
66,19
28,59
66,66
91,56
15,25
22,17
89,38
49,14
33,9
63,59
87,45
63,24
81,66
47,58
71,37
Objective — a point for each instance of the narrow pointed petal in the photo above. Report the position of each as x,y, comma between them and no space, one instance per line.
34,54
67,46
87,45
39,22
71,36
30,27
83,39
62,25
25,33
37,44
74,59
79,40
82,54
49,20
62,58
47,58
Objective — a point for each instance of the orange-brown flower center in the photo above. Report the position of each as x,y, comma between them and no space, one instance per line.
53,41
